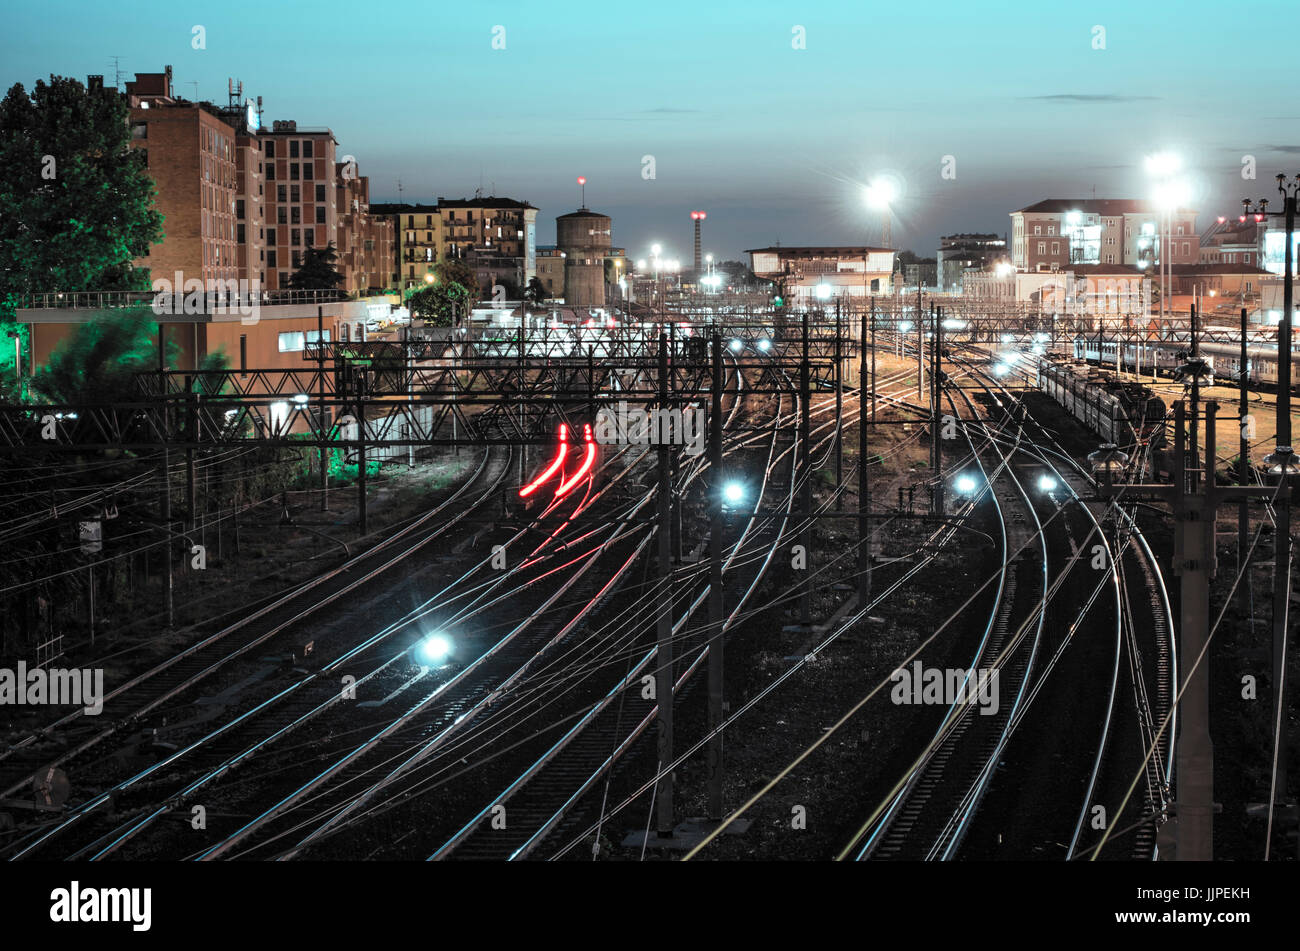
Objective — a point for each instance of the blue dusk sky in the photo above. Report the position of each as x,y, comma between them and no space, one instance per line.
774,143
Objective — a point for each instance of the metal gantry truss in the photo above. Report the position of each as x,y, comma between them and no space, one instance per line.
507,387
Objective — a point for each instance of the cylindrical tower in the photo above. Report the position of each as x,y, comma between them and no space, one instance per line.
584,237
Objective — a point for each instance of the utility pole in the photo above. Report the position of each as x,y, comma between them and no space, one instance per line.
1283,459
1194,564
322,456
864,482
664,654
361,449
839,413
805,437
1243,453
716,549
191,418
920,346
936,455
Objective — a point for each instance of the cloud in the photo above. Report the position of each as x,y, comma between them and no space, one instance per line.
1285,149
669,109
1107,97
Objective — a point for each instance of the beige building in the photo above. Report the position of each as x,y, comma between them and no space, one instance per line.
817,273
1057,233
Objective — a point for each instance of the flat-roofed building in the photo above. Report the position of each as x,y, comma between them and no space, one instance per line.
853,271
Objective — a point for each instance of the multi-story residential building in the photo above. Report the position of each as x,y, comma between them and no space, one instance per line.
959,253
191,152
1058,232
365,240
550,270
301,201
494,227
417,240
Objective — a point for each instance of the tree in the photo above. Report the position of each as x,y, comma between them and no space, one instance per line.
535,292
439,303
76,201
455,271
95,363
317,271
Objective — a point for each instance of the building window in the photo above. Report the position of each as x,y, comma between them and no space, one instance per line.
295,214
270,148
292,341
295,194
306,148
308,170
1042,247
239,233
320,214
139,130
320,192
270,258
239,209
270,237
270,171
293,148
281,215
1038,229
280,194
295,237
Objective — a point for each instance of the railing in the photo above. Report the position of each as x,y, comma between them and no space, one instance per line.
212,299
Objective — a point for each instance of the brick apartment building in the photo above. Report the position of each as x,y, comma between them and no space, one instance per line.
1058,232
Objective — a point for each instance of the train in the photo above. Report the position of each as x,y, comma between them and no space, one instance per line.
1222,359
1126,414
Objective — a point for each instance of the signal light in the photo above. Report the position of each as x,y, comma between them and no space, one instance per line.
778,301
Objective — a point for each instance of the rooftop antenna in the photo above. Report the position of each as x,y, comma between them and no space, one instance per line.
117,72
399,191
582,183
195,84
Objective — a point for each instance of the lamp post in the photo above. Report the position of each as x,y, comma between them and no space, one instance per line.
1282,460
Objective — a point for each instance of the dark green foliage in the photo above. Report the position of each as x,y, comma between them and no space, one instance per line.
318,271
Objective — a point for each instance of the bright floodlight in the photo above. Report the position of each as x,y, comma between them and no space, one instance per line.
1046,483
1172,195
1163,163
965,483
733,493
640,264
736,345
656,249
1003,268
823,291
300,398
1001,369
435,648
765,344
881,193
904,326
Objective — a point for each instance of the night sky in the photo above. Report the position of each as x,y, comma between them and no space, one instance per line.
774,143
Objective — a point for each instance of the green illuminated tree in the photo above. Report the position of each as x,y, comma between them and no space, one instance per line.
439,303
96,362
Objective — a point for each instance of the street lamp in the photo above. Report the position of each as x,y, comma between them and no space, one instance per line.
1169,194
880,194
